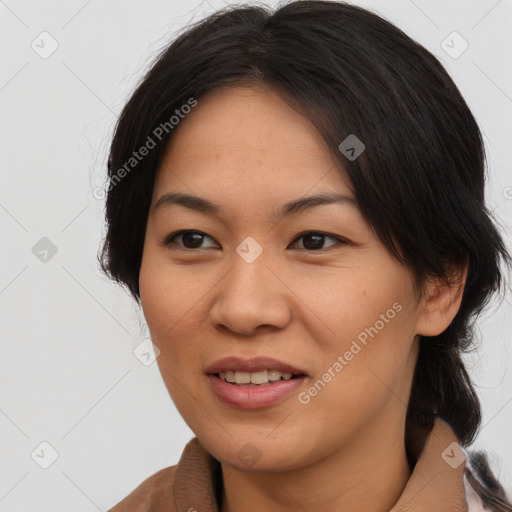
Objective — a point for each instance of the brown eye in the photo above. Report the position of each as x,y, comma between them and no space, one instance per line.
314,240
187,239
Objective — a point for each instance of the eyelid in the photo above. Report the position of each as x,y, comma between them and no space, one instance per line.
340,240
167,241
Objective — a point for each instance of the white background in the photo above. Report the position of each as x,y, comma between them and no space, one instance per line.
68,375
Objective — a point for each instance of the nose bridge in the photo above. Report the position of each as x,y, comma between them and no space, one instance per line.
249,274
250,295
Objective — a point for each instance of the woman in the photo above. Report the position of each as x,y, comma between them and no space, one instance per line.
296,199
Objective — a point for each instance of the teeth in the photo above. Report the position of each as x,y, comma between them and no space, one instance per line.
259,377
254,378
242,377
274,375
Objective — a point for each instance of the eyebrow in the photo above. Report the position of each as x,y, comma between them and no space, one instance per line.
292,207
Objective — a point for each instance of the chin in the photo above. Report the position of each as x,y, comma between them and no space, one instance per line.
255,453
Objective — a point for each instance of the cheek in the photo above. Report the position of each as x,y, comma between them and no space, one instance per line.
168,295
355,303
168,309
163,310
175,301
371,327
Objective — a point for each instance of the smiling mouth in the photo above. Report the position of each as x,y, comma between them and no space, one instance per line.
255,379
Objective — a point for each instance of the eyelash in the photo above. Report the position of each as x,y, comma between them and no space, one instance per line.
169,240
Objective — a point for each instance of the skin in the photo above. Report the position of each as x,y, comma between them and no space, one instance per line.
247,150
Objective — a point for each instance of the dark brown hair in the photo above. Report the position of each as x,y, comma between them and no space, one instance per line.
419,182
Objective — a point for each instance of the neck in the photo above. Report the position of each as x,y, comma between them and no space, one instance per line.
376,458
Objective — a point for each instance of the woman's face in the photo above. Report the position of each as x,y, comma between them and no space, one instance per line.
311,288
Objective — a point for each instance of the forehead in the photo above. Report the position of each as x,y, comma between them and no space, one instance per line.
247,138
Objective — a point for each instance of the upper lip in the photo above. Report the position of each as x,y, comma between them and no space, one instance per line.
255,364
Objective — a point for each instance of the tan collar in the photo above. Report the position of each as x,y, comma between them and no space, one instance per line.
436,482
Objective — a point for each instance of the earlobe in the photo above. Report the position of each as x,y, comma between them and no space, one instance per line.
441,302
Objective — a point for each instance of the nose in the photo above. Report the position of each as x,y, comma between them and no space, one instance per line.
249,297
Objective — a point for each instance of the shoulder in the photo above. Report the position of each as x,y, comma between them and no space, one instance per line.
195,478
152,495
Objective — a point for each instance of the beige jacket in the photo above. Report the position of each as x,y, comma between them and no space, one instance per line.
437,482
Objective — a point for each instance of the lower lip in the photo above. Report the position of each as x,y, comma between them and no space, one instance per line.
254,397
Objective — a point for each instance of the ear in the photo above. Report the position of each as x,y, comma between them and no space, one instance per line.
441,302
